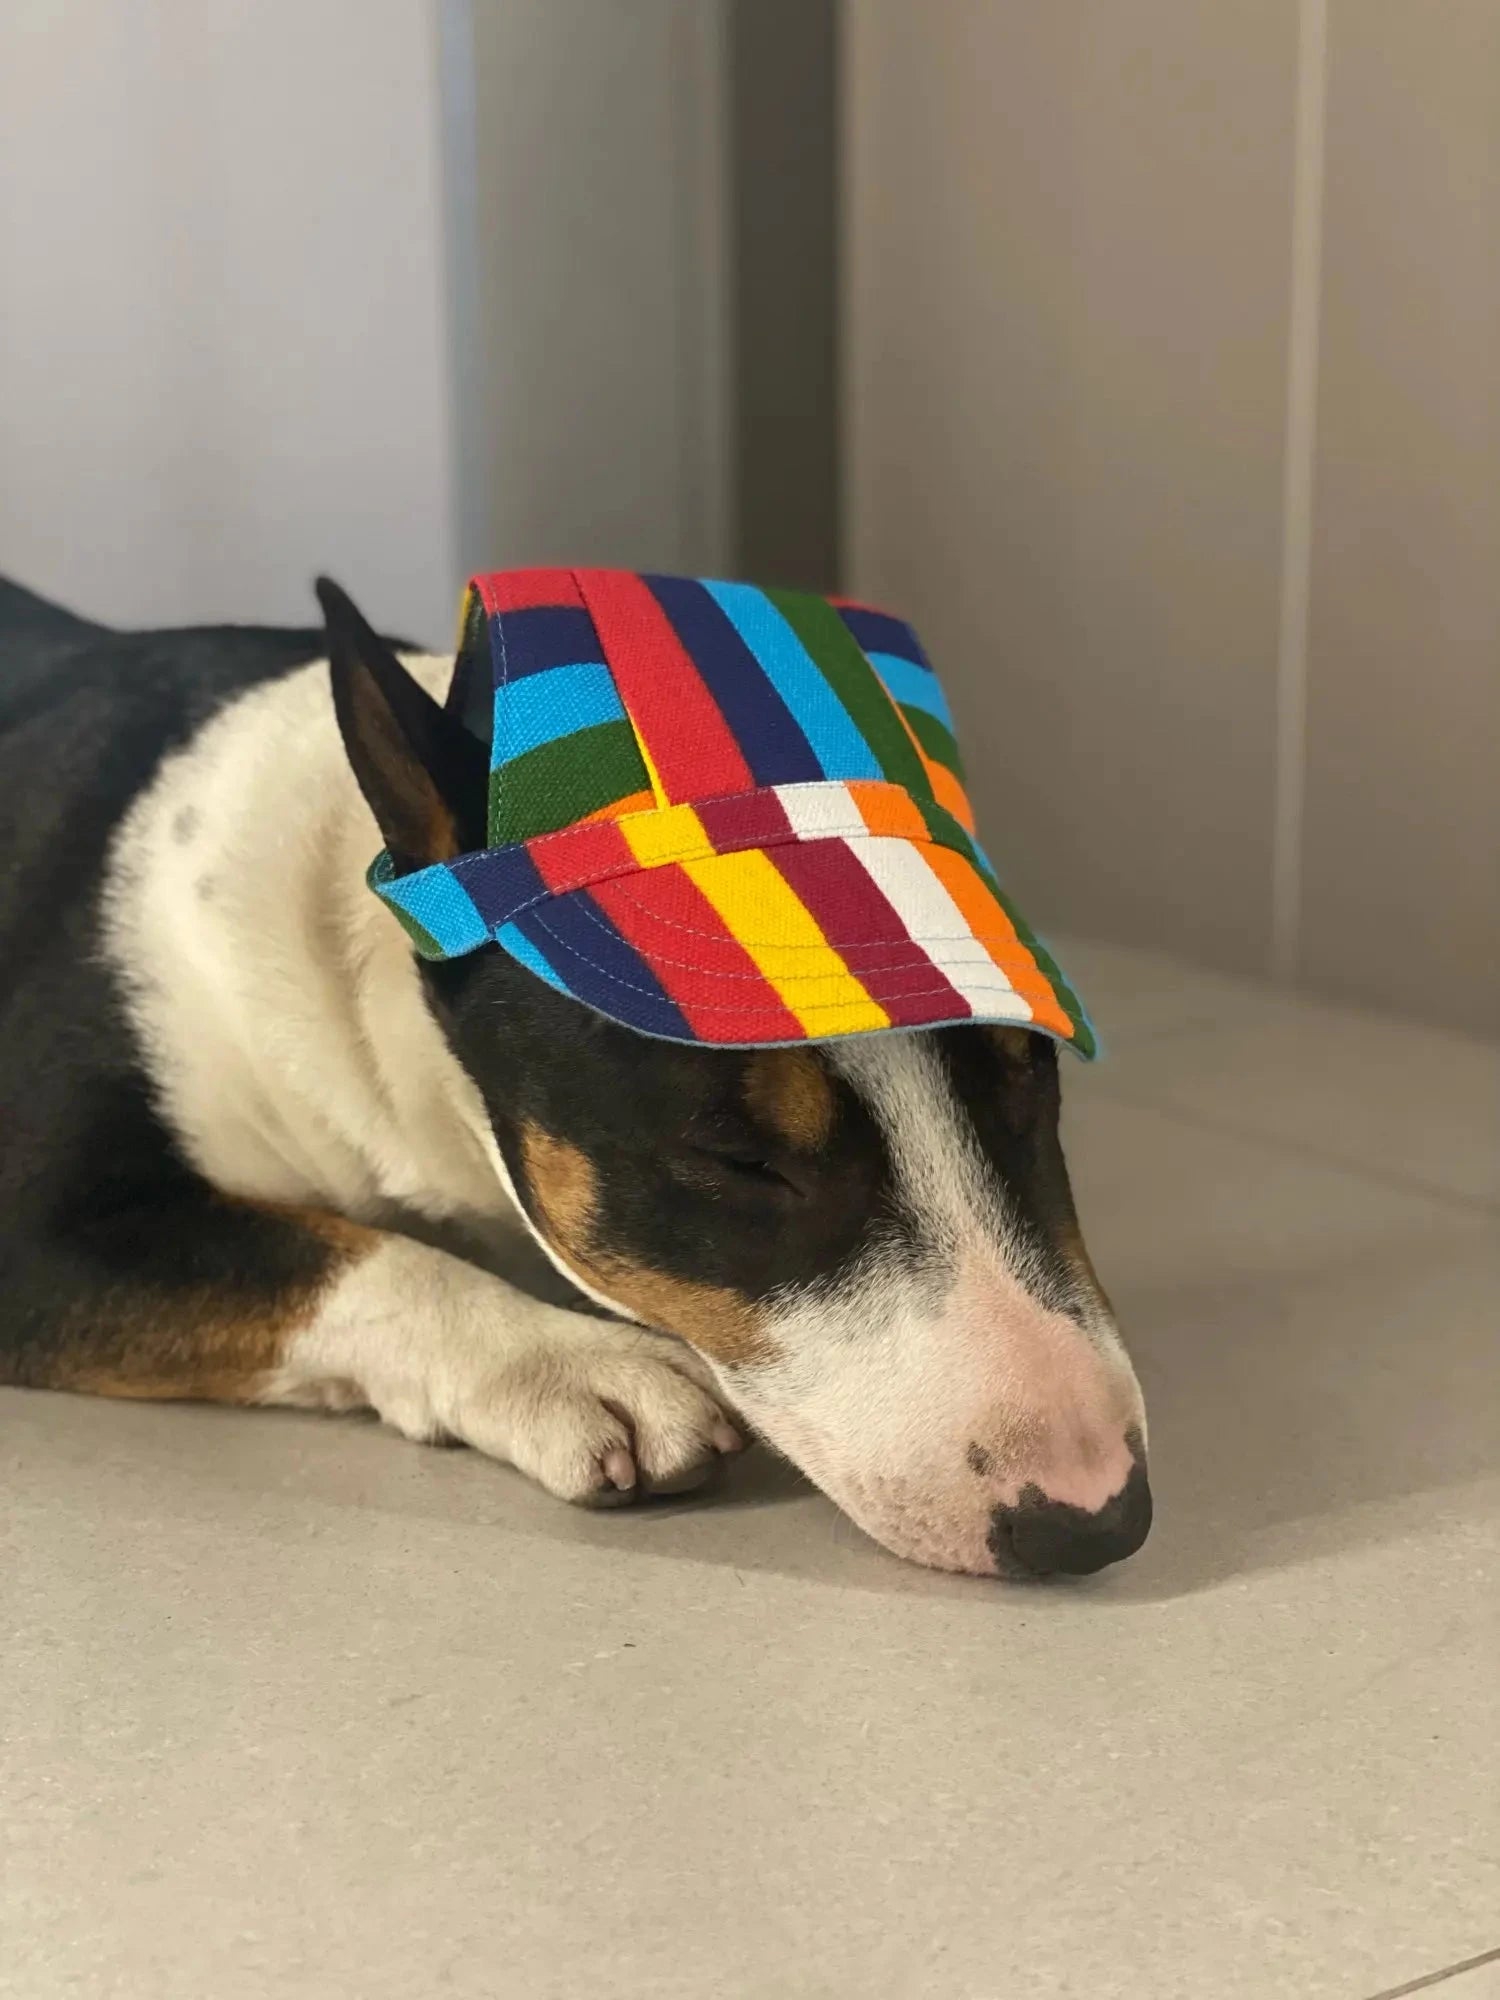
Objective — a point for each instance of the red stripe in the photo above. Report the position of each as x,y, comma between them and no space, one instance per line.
709,974
751,820
524,589
862,604
688,739
584,853
867,933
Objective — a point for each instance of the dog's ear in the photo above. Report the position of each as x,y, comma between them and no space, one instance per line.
423,774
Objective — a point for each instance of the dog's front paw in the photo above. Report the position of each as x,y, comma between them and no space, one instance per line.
600,1416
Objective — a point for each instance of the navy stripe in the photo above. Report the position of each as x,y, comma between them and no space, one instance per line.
542,636
878,632
760,722
803,686
500,881
594,962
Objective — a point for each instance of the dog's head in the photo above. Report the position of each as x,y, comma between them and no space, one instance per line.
872,1241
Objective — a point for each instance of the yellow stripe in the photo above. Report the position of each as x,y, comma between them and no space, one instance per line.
656,784
673,834
756,901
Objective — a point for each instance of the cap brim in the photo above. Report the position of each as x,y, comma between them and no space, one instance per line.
807,942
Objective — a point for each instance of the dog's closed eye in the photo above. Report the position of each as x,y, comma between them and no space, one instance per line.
743,1167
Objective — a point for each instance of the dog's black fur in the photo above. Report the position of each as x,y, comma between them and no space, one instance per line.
95,1195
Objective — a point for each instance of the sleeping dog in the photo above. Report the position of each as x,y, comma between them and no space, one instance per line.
256,1149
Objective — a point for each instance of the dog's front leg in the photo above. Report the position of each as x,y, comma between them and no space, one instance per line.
588,1407
207,1297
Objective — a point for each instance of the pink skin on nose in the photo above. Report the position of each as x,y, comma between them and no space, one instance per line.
1066,1409
998,1400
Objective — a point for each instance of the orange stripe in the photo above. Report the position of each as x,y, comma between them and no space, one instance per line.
997,934
946,789
887,809
636,802
949,792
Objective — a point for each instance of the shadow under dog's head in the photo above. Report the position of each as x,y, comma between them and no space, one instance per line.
872,1242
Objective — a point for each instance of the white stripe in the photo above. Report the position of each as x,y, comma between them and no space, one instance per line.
818,811
901,874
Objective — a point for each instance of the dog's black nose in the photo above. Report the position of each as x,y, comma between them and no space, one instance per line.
1041,1537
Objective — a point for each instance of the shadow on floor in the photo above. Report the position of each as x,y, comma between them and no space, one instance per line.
1295,1414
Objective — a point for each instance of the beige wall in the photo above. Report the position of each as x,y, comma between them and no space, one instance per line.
1069,319
392,288
223,357
589,281
1401,858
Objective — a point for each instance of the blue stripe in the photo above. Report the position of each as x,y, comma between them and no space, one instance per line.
759,720
839,747
541,636
597,966
435,898
556,703
918,687
525,953
878,632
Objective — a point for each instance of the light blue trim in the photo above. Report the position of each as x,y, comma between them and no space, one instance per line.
914,686
442,906
525,953
559,701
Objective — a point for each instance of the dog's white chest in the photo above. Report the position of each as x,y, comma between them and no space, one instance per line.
283,1019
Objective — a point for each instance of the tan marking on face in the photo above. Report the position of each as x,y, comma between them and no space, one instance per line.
564,1190
563,1185
1069,1239
790,1091
1020,1095
717,1321
1017,1045
1014,1043
200,1343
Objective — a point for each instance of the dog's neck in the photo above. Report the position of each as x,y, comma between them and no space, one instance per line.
293,1042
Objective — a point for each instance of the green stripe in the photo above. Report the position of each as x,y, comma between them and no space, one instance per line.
558,783
947,832
423,942
836,654
935,738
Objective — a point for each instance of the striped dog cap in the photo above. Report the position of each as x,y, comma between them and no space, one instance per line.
725,815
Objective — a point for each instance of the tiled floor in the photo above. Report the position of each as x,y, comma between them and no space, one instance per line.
294,1709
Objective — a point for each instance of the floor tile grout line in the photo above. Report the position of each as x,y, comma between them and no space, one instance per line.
1203,1121
1432,1979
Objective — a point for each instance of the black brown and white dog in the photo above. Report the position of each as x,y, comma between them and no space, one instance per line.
253,1150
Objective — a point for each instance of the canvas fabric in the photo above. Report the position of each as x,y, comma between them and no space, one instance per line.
724,814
